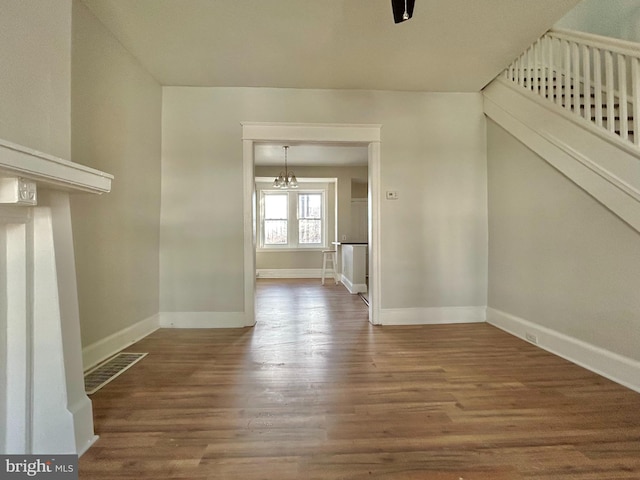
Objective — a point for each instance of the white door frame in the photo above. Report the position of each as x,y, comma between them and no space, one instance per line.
309,133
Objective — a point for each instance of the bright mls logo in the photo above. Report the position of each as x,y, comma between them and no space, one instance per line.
52,467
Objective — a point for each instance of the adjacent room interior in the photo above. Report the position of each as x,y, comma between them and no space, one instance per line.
139,143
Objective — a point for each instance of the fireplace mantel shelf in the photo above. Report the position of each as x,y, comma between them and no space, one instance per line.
50,171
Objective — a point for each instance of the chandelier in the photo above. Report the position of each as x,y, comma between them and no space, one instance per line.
286,179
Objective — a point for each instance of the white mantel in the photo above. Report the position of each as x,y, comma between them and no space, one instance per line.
43,405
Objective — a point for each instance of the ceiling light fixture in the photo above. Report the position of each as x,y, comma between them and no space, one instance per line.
286,179
402,10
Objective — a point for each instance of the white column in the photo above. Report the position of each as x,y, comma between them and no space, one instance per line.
15,320
249,212
375,196
44,406
52,223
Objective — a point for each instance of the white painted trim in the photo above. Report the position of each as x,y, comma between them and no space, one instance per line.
432,315
289,273
616,45
47,405
307,185
46,169
314,133
249,221
202,320
375,234
99,351
602,169
581,122
620,369
353,288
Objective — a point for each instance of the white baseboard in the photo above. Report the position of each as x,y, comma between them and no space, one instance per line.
202,320
620,369
290,273
432,315
109,346
353,287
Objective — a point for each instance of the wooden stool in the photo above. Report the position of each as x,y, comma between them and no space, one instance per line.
329,255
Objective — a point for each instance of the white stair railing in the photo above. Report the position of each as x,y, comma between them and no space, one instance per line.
593,77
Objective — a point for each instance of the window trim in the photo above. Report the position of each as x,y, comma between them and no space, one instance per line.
321,187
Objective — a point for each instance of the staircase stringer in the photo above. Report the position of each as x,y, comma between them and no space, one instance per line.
603,168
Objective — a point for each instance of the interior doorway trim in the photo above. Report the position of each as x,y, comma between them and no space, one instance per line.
368,134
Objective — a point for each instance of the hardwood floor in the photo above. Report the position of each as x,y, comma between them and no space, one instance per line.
315,392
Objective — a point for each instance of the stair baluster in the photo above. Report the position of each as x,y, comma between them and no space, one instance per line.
593,77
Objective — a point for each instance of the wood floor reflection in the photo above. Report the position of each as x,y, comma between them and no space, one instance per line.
313,391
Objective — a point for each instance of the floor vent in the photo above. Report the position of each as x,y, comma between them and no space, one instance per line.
98,377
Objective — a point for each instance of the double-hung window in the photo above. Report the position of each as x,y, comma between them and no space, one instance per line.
310,231
275,219
293,219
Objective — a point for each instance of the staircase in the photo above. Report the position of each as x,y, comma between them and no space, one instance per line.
595,79
574,99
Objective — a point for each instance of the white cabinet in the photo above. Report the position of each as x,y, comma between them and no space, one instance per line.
354,267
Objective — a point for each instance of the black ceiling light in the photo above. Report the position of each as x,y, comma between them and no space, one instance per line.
402,10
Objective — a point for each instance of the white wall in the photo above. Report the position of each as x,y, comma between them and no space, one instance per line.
35,111
557,257
611,18
35,58
434,238
116,127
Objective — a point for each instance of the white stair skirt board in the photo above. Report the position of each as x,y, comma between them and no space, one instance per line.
353,287
107,347
203,320
432,315
603,169
289,273
620,369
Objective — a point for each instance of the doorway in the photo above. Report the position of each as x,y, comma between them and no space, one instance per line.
333,134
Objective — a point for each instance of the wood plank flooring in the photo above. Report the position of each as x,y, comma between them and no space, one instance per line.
313,391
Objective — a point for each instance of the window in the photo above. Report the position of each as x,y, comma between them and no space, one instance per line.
310,218
276,213
292,219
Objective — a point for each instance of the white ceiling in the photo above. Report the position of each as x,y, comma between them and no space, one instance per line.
316,155
448,45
